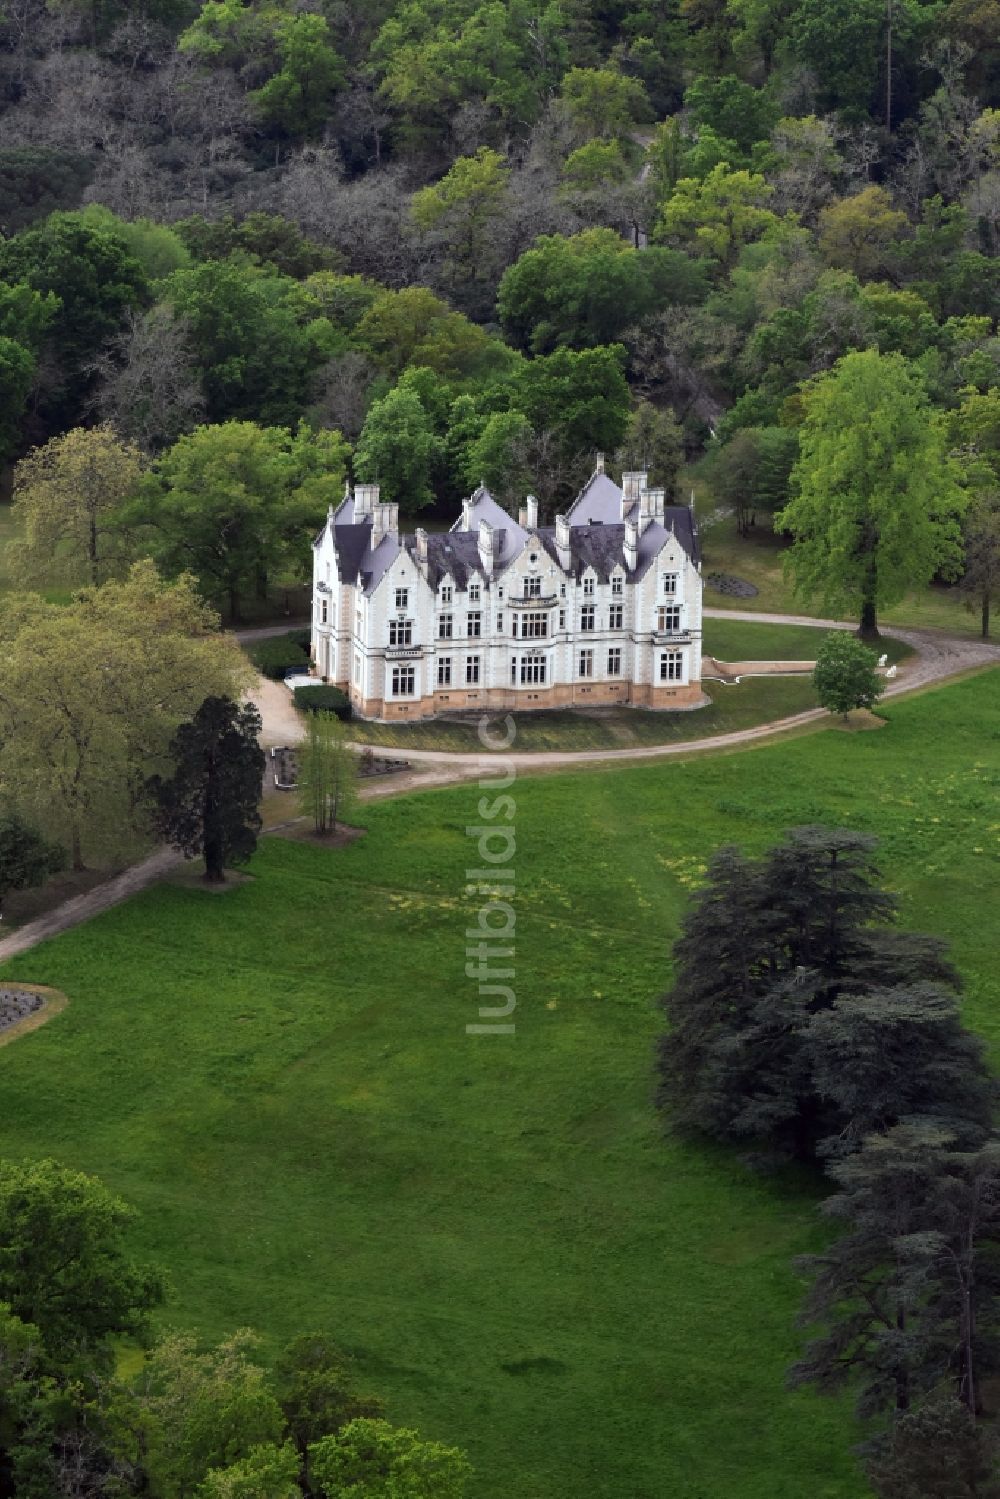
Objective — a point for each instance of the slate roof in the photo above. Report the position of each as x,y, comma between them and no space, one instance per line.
597,539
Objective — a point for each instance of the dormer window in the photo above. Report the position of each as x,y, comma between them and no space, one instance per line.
617,585
475,593
446,593
588,586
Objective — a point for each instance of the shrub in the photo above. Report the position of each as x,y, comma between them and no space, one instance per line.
322,699
845,675
277,654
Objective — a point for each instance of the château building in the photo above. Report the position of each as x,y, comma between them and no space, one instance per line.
604,607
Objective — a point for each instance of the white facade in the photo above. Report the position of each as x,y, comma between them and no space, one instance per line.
604,607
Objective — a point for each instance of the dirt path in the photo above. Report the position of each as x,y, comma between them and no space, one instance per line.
82,907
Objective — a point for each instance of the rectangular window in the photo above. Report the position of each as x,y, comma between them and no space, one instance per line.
562,590
357,671
444,626
472,671
404,681
402,598
669,584
532,588
446,593
532,671
475,593
444,671
499,624
617,586
534,626
513,671
615,616
475,627
324,611
400,632
615,661
588,586
668,619
562,619
671,666
587,614
586,664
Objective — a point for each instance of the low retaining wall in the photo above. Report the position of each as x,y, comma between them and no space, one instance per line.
711,667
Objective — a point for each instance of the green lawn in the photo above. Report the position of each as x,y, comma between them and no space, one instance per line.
759,559
753,701
280,1078
740,640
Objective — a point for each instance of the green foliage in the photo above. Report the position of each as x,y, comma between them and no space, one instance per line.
257,338
845,675
297,99
415,327
875,492
732,109
938,1451
264,238
718,215
602,103
582,396
323,698
27,859
373,1460
210,805
654,445
312,1376
797,1023
237,503
398,448
327,768
275,655
65,1266
583,291
751,471
268,1472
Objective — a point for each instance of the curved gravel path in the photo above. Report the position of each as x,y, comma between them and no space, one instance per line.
939,657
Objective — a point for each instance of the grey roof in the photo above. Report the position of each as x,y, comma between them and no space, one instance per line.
599,501
597,539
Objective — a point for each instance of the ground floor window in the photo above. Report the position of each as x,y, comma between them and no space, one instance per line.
615,661
472,671
529,671
444,671
586,664
404,681
671,666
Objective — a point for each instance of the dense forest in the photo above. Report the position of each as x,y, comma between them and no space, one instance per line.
482,240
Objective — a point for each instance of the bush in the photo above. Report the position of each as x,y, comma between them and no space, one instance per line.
845,675
322,699
277,654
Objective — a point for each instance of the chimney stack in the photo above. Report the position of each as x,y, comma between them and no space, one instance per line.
599,464
365,499
631,545
632,486
531,508
657,503
421,540
522,516
562,542
385,520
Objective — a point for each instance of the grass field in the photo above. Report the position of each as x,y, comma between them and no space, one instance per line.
741,640
281,1080
759,559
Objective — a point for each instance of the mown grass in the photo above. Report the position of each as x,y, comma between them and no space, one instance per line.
281,1080
759,559
754,701
742,640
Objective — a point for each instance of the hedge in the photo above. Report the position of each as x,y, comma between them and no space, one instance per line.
323,699
276,654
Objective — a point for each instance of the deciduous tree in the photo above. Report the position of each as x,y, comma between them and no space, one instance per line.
845,676
68,497
373,1460
876,496
327,773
